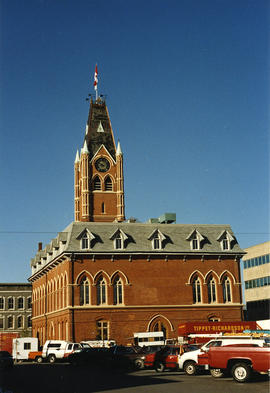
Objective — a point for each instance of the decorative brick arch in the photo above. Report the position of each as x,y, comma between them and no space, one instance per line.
230,276
121,275
103,274
84,273
191,277
159,318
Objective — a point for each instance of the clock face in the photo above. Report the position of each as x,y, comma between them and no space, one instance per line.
102,165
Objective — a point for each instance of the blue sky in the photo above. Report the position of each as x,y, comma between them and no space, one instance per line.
187,86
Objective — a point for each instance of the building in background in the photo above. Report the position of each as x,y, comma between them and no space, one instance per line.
16,308
256,274
107,278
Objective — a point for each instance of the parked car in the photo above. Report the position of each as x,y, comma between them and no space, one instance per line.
167,357
88,355
6,359
126,356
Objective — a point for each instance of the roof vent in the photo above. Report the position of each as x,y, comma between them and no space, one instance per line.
167,218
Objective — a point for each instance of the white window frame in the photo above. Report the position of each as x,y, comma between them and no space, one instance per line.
22,319
12,317
13,299
3,319
23,303
226,283
4,302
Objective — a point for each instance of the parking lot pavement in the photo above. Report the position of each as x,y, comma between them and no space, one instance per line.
63,378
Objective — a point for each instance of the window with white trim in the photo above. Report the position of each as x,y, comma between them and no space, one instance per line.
211,288
226,288
1,323
20,322
20,303
117,290
84,292
10,303
85,241
10,322
196,289
2,303
101,291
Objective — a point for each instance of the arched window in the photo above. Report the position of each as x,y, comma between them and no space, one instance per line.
97,183
117,290
226,287
196,289
84,292
211,287
159,326
101,291
108,184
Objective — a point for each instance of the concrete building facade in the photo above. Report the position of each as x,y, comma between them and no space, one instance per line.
257,281
16,308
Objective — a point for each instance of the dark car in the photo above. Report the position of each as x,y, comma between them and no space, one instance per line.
6,359
127,357
88,355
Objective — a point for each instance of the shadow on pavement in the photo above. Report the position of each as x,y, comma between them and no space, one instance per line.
59,378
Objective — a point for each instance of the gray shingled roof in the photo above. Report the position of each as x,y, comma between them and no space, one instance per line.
138,239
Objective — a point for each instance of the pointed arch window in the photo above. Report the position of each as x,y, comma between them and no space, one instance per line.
226,288
108,184
211,288
97,183
117,290
101,291
84,292
196,289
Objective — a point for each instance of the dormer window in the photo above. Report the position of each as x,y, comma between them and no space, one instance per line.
157,239
119,238
87,238
226,240
195,239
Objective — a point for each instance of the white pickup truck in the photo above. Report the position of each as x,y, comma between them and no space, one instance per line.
189,360
55,350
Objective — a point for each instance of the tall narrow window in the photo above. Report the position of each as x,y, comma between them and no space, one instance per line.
10,322
1,303
85,241
20,302
29,302
211,287
225,244
226,287
1,323
97,183
196,288
156,241
101,291
118,241
84,292
29,321
103,207
20,322
10,302
102,330
108,184
117,291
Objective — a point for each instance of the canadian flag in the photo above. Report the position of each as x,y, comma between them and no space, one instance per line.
96,78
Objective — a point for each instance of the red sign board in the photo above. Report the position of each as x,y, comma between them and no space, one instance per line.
187,328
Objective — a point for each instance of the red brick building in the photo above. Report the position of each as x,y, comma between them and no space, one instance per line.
104,277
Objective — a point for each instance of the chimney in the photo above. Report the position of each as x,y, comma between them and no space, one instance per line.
39,246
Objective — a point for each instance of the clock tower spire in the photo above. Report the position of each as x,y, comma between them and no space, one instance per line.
98,170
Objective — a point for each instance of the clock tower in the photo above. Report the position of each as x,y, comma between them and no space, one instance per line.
98,171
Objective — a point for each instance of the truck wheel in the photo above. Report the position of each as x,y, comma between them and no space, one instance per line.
241,372
216,373
139,364
38,359
159,367
190,368
51,358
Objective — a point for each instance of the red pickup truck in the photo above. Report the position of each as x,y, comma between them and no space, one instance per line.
239,361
